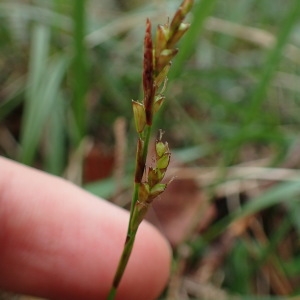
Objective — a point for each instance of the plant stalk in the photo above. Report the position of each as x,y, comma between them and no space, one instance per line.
132,225
148,179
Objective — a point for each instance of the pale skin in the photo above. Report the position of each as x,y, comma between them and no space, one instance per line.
60,242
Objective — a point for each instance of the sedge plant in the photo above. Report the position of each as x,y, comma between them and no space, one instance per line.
148,179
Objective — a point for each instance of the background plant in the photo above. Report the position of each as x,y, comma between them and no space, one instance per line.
235,106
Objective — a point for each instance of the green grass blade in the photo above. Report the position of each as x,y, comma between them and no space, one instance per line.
37,66
38,59
282,193
55,139
286,192
79,78
43,86
273,60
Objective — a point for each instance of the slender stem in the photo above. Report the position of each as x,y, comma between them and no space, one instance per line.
112,294
122,263
134,199
132,228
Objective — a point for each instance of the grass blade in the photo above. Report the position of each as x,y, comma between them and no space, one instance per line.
55,141
282,193
43,86
79,79
273,60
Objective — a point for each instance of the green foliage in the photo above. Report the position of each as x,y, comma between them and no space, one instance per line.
42,93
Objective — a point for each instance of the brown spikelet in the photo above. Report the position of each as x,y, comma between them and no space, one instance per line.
148,80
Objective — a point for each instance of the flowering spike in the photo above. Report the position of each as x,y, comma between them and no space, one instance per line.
148,80
148,185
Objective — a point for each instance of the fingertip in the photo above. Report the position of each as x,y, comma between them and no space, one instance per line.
61,242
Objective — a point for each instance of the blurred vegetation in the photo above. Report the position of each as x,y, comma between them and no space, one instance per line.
69,70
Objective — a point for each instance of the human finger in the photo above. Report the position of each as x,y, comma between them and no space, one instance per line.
60,242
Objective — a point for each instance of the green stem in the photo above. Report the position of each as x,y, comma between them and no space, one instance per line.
132,225
112,294
145,135
135,197
122,264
